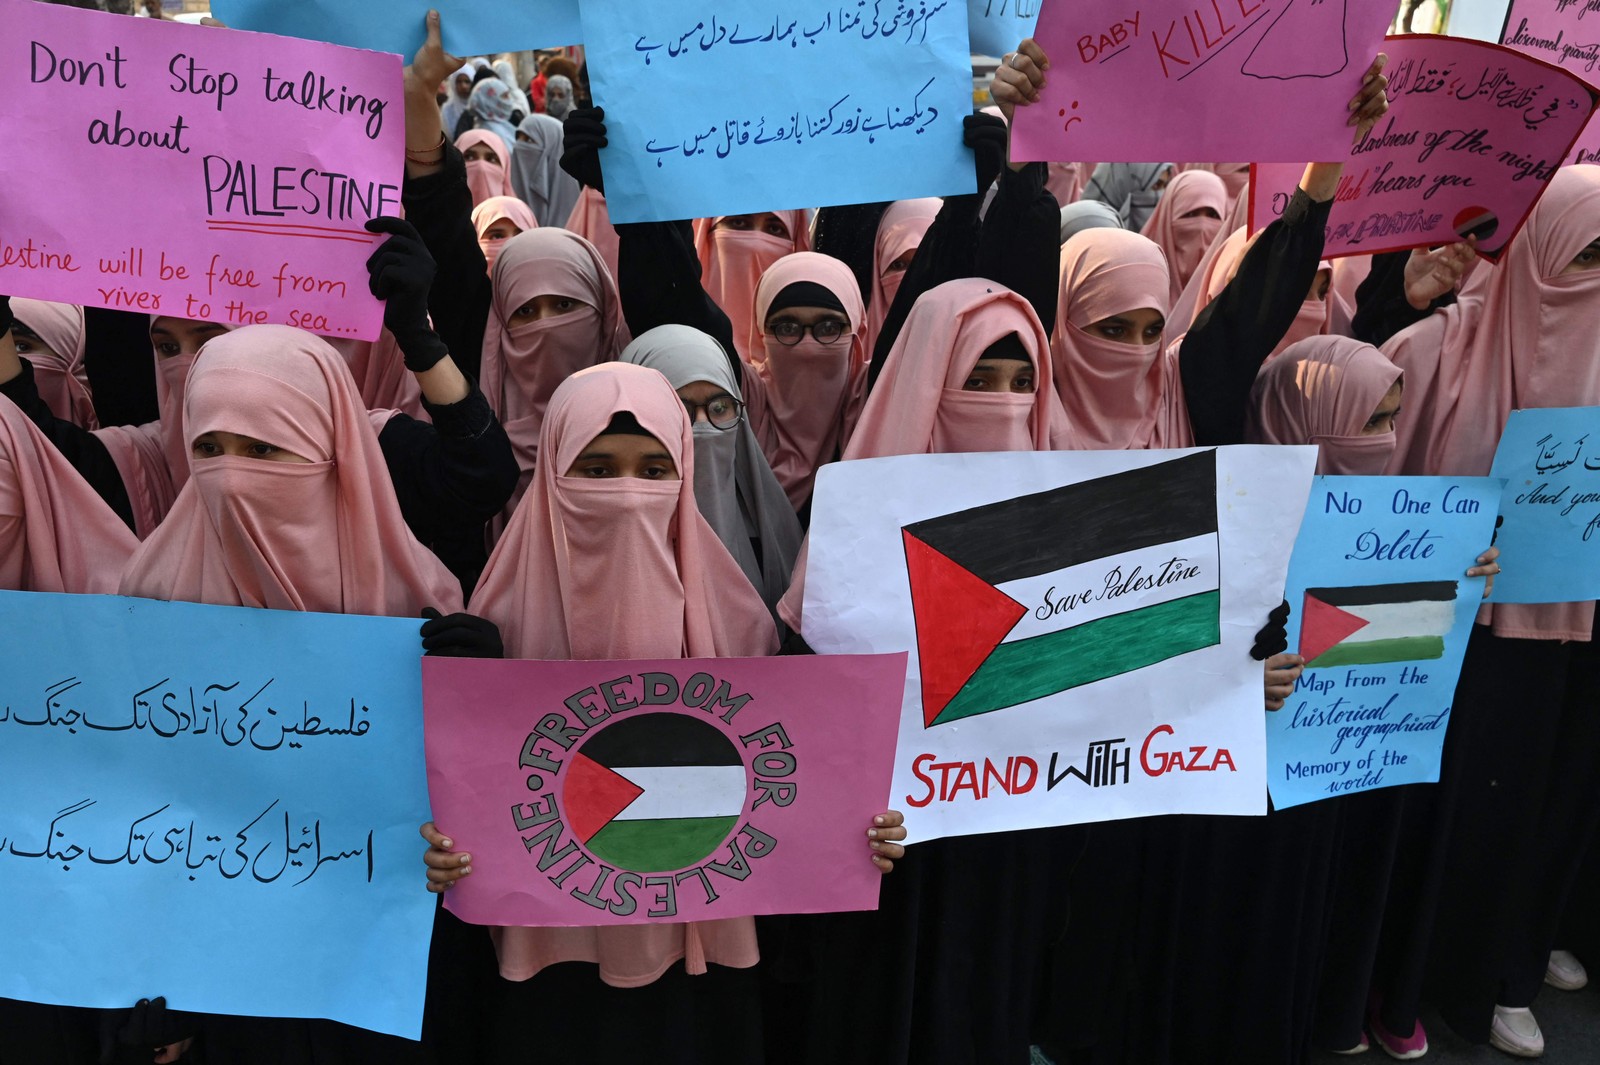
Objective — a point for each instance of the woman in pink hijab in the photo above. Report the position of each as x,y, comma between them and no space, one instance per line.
497,220
1337,393
51,336
734,251
804,388
591,220
488,164
611,518
900,232
1185,222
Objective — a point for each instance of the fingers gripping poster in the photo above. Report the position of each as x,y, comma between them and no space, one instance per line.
1078,625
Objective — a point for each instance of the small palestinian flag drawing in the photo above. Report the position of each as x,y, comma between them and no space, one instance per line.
1029,597
654,792
1376,623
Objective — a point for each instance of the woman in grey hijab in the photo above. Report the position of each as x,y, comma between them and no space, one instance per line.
558,96
733,485
1130,189
536,173
1087,214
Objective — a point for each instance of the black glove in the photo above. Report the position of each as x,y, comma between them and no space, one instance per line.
1273,639
584,134
7,319
132,1034
400,273
460,636
986,136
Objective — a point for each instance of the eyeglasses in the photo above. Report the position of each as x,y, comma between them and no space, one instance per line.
789,332
722,412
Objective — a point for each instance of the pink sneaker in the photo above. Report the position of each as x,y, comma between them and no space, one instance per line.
1409,1048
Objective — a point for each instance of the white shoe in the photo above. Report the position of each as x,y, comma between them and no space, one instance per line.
1565,971
1515,1031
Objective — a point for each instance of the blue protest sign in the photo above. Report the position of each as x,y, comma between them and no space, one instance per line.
768,105
397,25
997,26
215,804
1380,609
1550,535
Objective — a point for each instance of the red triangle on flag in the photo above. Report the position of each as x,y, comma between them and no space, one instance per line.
593,795
960,620
1323,625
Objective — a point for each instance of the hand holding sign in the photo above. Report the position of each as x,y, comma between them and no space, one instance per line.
1020,78
1432,272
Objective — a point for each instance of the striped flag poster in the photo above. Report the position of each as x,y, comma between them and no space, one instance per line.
1078,625
598,793
1381,609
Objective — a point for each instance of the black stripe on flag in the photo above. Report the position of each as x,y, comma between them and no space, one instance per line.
660,739
1379,594
1078,523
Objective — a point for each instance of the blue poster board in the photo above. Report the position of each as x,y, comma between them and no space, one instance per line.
468,28
998,26
1550,530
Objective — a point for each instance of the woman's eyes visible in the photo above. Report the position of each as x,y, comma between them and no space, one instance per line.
776,228
167,348
719,406
24,346
1021,383
206,449
594,471
1113,332
657,472
260,451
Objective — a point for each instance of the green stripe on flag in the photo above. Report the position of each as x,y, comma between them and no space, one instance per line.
660,845
1378,652
1031,669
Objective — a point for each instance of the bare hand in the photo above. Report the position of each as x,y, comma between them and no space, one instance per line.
1019,79
1281,673
445,865
1488,565
1372,102
432,64
218,23
886,833
1431,272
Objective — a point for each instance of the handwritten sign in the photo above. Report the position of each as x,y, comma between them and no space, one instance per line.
1555,31
1473,135
766,105
598,793
244,167
1134,80
1381,610
215,804
997,26
389,26
1551,510
1061,679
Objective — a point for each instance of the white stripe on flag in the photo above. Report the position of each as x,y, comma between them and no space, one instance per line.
1087,592
685,791
1391,621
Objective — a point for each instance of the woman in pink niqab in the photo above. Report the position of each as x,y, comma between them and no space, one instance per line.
591,220
487,177
1185,223
1328,391
900,232
59,373
734,252
497,220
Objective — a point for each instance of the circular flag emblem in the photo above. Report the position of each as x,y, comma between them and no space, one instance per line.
654,792
1476,221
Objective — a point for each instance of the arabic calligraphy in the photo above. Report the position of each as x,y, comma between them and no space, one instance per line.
168,710
273,845
908,22
1415,77
839,120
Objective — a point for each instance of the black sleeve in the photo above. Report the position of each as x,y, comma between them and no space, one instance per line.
1019,240
1235,333
658,279
121,368
1382,309
81,447
949,250
440,206
451,477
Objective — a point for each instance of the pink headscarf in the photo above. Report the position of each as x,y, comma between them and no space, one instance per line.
1184,241
1323,391
381,376
1194,297
523,362
63,382
804,401
326,535
1521,335
1348,273
591,220
484,178
1066,181
56,533
899,231
1315,314
620,568
1116,395
494,209
732,262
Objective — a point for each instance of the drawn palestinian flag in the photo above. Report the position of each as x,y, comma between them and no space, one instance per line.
654,792
1022,599
1376,623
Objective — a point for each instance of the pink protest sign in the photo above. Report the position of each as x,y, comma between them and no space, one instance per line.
1473,135
1153,80
600,793
1555,31
195,172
